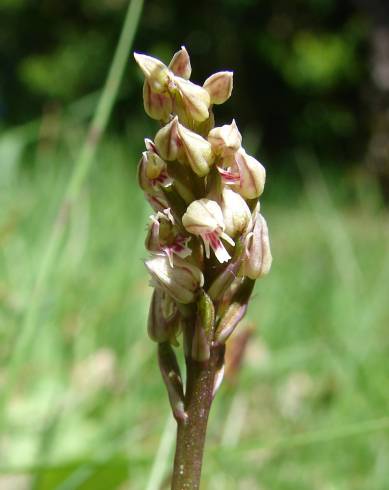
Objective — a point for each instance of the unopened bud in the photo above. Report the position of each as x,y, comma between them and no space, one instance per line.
168,142
205,319
154,166
230,320
225,140
152,173
163,321
182,281
236,213
219,86
206,313
195,100
156,73
180,64
143,181
235,311
257,257
196,150
252,175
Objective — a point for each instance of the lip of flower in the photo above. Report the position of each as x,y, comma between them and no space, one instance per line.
182,282
228,176
246,174
204,218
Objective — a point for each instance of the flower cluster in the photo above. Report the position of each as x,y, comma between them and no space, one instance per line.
207,238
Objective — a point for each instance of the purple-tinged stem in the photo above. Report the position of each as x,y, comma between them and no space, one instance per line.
191,432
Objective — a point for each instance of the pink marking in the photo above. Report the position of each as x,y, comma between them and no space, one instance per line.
228,176
176,247
156,203
213,240
162,178
217,246
150,146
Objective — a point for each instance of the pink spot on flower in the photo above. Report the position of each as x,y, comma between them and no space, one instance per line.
228,176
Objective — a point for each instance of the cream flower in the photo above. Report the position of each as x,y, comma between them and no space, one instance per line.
204,218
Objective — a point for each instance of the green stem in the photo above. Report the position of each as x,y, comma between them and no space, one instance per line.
81,168
191,433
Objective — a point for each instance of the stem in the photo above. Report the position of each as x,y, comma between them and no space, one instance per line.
192,432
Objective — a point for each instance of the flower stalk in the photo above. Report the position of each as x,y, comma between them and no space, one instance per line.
208,241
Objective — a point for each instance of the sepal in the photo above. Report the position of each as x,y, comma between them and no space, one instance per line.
225,140
236,213
180,64
167,141
219,86
156,73
252,175
197,151
158,106
194,100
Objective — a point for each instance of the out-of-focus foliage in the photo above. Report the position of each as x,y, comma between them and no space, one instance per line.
309,410
300,66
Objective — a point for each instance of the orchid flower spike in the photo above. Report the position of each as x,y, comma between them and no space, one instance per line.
206,241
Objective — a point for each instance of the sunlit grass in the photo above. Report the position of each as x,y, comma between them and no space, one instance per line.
89,410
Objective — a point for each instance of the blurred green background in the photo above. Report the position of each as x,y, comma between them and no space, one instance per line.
82,405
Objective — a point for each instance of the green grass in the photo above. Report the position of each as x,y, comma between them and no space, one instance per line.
310,410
